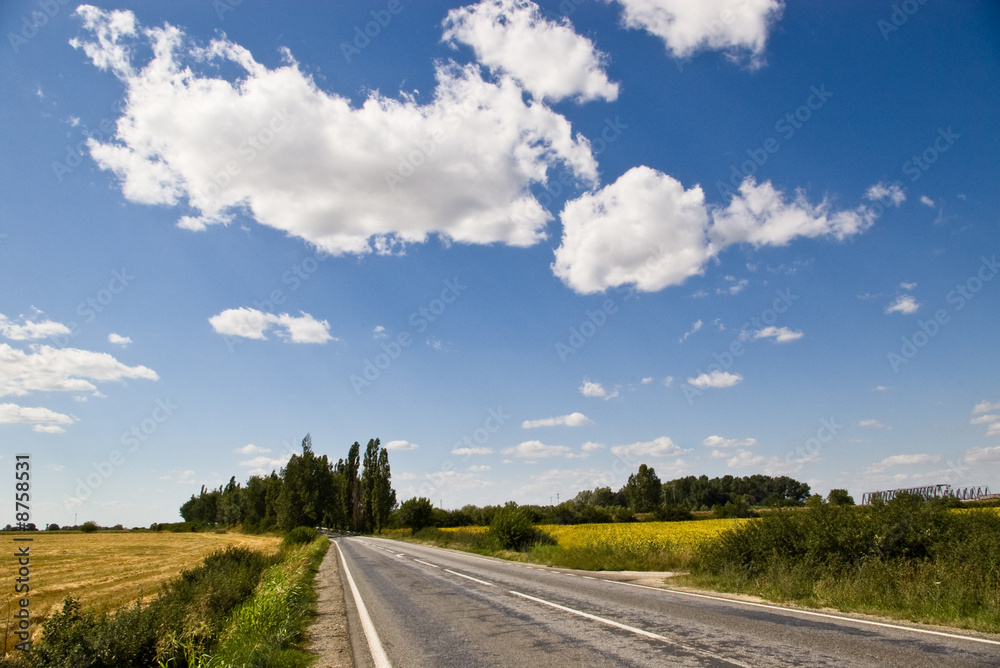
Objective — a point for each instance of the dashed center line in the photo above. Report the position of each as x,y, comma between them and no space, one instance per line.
469,577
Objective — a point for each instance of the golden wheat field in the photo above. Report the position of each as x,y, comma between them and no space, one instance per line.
108,570
633,534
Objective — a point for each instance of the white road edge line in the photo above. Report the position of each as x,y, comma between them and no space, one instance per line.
626,627
426,563
469,577
813,614
374,644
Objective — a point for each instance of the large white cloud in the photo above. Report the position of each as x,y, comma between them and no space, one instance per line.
739,27
249,323
548,58
48,369
645,229
349,179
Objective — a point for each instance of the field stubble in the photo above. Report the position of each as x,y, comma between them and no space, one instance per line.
107,570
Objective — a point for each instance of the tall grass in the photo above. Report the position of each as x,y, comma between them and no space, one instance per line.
908,559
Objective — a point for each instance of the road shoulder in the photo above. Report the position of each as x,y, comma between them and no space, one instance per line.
329,636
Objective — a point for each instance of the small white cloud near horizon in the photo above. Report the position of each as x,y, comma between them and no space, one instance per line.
251,449
119,340
905,304
379,332
591,446
874,424
536,450
465,452
926,201
547,57
401,445
720,442
900,460
646,380
571,420
716,379
591,389
262,465
983,455
249,323
907,286
985,406
659,447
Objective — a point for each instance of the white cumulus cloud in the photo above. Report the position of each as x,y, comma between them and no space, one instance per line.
645,229
471,451
29,330
547,57
716,379
592,389
779,334
119,340
401,445
251,449
720,442
986,406
659,447
345,177
571,420
536,450
737,27
48,369
906,305
901,460
249,323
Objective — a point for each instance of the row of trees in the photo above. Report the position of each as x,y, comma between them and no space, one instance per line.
643,493
353,494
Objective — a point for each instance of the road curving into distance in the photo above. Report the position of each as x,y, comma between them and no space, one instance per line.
413,606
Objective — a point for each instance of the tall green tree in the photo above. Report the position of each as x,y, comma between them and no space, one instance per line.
307,489
369,484
643,490
352,487
385,495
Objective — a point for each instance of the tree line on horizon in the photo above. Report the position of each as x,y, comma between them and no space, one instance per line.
353,494
644,495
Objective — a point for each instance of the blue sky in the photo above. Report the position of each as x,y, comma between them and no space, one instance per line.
528,246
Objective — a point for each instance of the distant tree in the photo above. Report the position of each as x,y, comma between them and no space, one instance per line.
643,490
369,485
416,513
89,527
814,501
306,490
839,497
52,527
352,487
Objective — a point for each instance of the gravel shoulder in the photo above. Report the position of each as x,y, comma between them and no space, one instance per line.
329,636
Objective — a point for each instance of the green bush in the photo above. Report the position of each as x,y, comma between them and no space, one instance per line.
299,536
89,527
511,527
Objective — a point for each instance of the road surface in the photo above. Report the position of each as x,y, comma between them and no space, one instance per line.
412,606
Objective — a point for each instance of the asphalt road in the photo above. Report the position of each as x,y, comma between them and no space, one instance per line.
426,606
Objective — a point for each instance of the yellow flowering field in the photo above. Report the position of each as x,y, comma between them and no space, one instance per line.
636,534
632,534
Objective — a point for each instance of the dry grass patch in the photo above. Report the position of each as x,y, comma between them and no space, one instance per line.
108,570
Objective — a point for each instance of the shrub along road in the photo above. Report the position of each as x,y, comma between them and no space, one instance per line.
415,605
